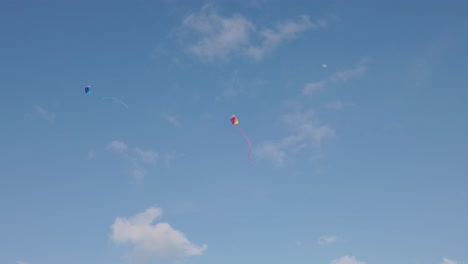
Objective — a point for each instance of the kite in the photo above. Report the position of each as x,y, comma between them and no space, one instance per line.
87,90
235,122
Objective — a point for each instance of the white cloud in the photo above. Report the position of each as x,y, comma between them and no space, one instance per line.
324,240
153,240
21,262
449,261
147,156
271,38
306,132
347,260
219,36
223,36
44,114
339,77
117,146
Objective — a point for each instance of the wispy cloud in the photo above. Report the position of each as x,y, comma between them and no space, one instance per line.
117,146
173,119
220,37
90,155
138,157
324,240
347,260
272,38
421,67
139,173
306,132
44,114
153,240
345,75
147,156
312,87
338,77
449,261
21,262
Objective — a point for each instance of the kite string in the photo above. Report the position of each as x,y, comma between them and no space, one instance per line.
114,99
248,141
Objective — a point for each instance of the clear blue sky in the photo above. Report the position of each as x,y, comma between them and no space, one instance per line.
357,112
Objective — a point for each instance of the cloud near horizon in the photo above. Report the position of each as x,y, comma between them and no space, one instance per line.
153,240
347,260
449,261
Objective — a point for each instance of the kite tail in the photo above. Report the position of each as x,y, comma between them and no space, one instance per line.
115,100
248,141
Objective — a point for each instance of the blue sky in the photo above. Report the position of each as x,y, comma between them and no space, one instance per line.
356,111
